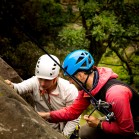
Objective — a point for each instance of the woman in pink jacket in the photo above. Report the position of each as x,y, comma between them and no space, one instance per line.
80,66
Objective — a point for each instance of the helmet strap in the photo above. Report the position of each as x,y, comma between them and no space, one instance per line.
88,74
95,80
84,84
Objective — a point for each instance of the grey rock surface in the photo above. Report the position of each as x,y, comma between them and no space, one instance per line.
18,120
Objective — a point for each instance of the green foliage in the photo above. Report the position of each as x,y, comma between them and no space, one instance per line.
24,21
44,16
112,24
111,60
51,14
23,59
28,53
71,38
89,9
97,26
132,31
106,24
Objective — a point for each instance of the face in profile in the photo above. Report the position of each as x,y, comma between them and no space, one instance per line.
78,85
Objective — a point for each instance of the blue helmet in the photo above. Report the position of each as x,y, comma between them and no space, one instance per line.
78,60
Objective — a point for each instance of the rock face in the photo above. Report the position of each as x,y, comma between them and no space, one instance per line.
18,120
7,72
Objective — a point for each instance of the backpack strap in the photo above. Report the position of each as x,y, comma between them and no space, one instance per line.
47,103
135,96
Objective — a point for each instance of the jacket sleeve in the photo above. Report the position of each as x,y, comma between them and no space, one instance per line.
25,86
119,96
71,112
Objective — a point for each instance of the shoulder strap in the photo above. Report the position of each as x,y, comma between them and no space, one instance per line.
102,93
135,98
47,103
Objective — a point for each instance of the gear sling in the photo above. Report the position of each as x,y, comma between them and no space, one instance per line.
134,103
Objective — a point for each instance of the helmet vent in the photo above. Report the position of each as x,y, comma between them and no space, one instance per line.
84,64
80,59
82,54
53,68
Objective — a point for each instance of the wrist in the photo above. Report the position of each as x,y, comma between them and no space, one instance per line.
48,117
12,85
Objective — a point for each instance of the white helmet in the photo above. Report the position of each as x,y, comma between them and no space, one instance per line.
46,68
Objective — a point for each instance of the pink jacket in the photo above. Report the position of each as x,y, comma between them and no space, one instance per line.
118,95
